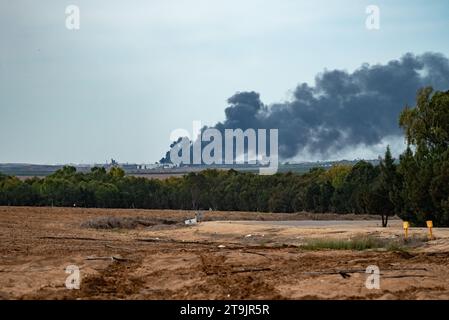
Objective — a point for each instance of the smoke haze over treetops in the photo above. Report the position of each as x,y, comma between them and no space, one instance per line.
342,109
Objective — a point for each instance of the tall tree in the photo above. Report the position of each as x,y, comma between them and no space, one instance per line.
424,170
385,189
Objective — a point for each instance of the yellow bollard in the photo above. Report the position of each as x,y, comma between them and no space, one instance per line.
405,225
430,226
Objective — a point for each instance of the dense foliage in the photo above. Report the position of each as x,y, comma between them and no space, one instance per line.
338,189
423,192
416,189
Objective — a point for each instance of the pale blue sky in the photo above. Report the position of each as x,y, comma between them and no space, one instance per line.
136,70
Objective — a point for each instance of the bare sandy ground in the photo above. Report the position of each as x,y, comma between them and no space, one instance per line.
227,259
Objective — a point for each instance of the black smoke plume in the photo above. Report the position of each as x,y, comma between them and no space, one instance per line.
342,109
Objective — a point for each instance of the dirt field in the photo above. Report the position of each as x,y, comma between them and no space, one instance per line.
158,257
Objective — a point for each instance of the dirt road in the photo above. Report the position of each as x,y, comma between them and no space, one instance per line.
214,260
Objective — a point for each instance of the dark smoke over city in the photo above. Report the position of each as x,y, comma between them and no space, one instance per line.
342,109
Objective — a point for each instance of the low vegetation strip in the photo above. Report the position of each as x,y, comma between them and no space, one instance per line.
109,222
362,243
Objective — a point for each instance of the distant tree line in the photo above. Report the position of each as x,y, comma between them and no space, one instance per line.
416,187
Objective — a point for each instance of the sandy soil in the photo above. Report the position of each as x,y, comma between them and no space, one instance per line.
227,259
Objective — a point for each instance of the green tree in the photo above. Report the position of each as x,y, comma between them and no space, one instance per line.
423,166
384,190
116,172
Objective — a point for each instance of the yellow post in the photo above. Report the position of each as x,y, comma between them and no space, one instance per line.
430,226
405,225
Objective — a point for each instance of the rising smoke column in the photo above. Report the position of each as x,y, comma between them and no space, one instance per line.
342,109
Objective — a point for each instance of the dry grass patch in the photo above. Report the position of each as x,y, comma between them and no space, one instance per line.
126,222
360,243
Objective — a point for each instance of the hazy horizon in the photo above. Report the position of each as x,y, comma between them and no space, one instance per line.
137,70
